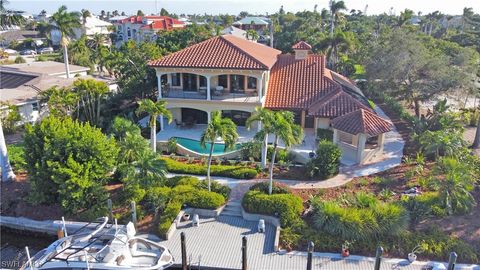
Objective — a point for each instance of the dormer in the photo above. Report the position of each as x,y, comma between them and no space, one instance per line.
301,49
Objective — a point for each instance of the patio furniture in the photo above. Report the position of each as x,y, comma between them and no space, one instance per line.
218,91
178,124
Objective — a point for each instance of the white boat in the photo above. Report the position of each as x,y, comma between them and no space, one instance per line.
105,246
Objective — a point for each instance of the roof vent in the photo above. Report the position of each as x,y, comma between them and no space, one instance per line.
301,49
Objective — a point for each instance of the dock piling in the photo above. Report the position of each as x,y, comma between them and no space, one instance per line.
311,246
378,258
110,210
134,213
184,251
452,261
244,253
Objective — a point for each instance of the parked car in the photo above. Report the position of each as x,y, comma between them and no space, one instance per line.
45,50
28,52
10,51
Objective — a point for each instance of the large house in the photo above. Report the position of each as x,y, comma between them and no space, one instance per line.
234,76
92,26
144,28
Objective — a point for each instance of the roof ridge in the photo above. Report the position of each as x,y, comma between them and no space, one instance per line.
362,120
185,49
243,51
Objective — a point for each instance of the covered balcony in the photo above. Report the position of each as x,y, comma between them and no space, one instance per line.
225,87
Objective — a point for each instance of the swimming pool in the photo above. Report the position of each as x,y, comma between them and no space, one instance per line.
194,146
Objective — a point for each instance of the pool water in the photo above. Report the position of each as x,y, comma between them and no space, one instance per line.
194,146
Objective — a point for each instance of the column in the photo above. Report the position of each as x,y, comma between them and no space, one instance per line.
159,82
315,125
381,141
302,119
335,136
169,79
161,123
209,116
362,139
260,87
209,95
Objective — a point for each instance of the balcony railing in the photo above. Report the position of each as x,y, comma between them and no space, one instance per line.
168,92
248,96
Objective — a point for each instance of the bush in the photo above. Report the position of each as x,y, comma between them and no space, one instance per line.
324,134
156,198
281,156
277,188
182,180
238,172
133,192
327,161
216,187
287,207
205,199
364,224
172,146
68,162
19,60
16,155
251,149
168,216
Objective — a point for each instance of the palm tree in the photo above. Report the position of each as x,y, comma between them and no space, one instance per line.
265,118
281,125
154,109
251,34
65,22
146,169
85,13
339,42
218,127
335,12
7,172
8,17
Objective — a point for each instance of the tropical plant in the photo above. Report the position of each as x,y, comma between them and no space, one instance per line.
454,182
91,93
218,127
327,160
8,17
146,169
154,109
10,117
335,13
61,102
65,22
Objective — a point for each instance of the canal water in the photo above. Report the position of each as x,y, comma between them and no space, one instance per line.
13,243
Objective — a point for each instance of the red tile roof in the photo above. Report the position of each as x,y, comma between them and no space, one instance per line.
302,45
362,121
223,52
297,84
157,21
337,103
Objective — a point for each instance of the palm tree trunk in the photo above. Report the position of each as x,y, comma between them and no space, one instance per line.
416,103
209,165
65,60
476,141
98,111
153,134
332,26
270,182
7,172
264,152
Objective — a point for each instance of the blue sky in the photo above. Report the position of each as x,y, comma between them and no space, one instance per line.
235,6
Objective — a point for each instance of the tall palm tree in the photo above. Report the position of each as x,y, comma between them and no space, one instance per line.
7,172
146,169
154,109
335,12
85,13
284,129
218,127
65,22
265,118
339,42
9,18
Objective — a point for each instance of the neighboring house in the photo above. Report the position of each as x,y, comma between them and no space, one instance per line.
234,76
20,36
234,31
259,24
51,68
144,28
92,27
22,88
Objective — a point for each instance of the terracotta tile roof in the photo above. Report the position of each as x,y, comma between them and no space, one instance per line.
362,121
302,45
337,103
297,84
223,52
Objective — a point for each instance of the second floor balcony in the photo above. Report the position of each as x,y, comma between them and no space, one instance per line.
231,87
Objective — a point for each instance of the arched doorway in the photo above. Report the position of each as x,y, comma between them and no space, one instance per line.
194,116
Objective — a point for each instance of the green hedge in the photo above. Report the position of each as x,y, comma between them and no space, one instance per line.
276,189
16,156
287,206
168,216
205,199
238,172
182,180
326,164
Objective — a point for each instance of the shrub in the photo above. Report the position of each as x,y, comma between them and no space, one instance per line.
365,200
327,161
251,149
172,146
277,188
19,60
238,172
168,216
182,180
156,198
68,162
216,187
324,134
133,192
205,199
287,207
365,224
16,155
282,154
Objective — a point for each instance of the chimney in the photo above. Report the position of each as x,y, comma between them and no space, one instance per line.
301,49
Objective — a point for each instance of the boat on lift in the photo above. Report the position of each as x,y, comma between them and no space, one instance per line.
103,246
